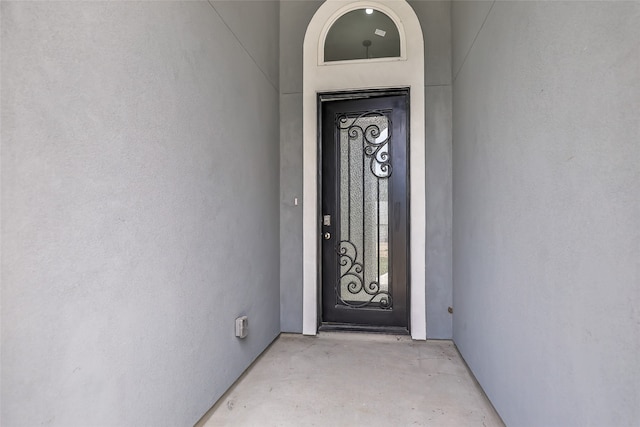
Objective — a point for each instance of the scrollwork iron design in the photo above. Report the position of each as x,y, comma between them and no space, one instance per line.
351,278
377,150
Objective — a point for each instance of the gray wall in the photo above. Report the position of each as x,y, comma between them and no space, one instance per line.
547,208
294,18
139,207
434,17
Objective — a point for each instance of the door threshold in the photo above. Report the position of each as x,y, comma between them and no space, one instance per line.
346,327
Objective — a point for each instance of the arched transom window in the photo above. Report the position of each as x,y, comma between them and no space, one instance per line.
364,33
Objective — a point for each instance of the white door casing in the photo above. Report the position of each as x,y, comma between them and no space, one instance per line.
318,77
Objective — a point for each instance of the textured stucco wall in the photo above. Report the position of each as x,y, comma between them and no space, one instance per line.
434,17
139,207
294,18
547,208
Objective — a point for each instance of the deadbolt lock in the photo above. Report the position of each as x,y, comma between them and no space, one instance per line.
327,236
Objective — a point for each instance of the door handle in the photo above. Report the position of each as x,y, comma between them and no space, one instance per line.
327,236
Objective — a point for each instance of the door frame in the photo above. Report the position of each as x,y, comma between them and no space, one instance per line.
318,77
355,96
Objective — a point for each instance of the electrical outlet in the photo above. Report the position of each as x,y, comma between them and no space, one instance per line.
242,327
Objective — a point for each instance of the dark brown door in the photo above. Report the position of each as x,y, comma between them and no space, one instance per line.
364,210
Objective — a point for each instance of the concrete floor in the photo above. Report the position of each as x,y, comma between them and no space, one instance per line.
348,379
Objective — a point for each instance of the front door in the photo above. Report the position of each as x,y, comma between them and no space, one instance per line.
364,210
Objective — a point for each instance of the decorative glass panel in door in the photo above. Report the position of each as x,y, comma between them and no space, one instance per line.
364,202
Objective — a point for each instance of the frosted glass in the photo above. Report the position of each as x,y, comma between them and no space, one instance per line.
364,219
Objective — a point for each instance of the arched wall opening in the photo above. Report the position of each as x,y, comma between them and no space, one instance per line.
319,76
